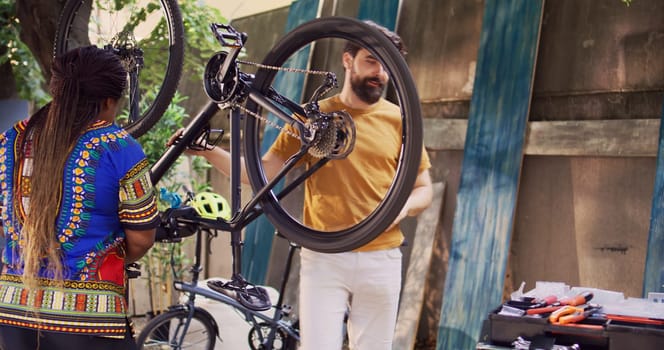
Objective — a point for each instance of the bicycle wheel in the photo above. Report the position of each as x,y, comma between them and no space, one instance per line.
323,40
148,35
165,331
260,332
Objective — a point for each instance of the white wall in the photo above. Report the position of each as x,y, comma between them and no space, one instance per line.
233,9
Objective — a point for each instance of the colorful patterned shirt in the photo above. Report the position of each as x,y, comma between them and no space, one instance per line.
106,189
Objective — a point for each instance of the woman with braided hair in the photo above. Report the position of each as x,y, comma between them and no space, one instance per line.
76,205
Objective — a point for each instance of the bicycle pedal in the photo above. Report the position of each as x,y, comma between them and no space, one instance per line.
227,36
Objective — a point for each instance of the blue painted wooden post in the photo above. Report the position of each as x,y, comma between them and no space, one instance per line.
653,278
383,12
259,234
493,153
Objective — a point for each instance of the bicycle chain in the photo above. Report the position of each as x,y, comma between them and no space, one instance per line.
266,120
283,69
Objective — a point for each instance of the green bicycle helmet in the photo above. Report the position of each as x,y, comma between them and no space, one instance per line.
210,205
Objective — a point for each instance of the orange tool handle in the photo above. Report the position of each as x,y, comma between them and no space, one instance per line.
564,311
543,310
578,300
549,299
636,319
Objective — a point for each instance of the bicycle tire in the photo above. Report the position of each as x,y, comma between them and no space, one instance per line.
376,222
155,335
165,63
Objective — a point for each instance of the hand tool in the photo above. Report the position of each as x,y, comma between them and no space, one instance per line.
572,314
578,299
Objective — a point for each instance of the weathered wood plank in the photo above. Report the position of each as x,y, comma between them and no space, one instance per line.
614,138
632,137
412,294
445,134
653,279
493,154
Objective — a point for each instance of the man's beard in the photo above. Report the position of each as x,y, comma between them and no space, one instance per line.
367,93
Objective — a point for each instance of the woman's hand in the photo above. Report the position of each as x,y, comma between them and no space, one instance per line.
175,138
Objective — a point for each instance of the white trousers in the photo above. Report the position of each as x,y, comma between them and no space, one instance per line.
367,284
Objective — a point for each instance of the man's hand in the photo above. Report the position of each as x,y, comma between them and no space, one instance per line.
420,198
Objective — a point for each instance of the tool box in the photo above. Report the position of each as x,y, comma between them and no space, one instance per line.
503,330
593,333
557,316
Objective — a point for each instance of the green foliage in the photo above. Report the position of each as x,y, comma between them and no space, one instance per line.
26,71
627,2
200,44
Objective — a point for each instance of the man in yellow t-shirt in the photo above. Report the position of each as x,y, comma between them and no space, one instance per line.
365,282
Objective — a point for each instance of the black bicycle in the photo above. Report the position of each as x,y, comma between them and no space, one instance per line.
259,100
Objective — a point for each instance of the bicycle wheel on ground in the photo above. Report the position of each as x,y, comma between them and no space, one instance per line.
259,334
148,35
170,330
356,209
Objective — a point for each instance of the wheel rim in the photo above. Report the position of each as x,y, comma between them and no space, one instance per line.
260,332
166,334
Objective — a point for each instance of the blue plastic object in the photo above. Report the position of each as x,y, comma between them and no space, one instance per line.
174,200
